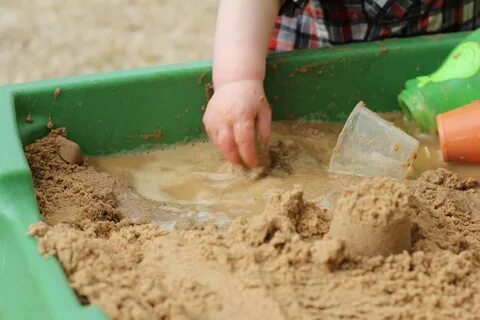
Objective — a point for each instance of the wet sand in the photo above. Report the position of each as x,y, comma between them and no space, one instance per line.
346,247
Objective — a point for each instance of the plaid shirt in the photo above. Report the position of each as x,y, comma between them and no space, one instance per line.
317,23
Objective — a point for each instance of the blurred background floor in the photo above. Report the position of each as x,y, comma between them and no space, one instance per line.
41,39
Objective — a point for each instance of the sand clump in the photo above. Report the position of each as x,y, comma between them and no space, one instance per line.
66,190
275,160
374,218
69,151
280,264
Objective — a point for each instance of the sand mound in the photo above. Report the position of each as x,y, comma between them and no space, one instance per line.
68,192
276,265
374,218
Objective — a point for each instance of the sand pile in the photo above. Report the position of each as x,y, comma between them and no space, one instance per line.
67,191
293,261
374,218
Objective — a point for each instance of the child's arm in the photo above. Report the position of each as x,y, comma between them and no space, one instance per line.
239,107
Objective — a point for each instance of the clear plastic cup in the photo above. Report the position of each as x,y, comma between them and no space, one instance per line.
371,146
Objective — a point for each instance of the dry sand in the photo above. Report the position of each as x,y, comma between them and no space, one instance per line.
52,38
286,263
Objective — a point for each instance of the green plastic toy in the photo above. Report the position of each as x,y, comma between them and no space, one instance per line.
454,84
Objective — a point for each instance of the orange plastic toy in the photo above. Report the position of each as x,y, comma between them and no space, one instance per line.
459,133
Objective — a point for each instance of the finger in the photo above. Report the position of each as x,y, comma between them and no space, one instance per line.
264,124
212,134
210,128
226,143
244,135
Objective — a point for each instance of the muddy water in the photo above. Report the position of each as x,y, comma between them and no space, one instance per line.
196,175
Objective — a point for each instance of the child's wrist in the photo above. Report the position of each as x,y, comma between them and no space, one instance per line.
227,74
218,85
223,78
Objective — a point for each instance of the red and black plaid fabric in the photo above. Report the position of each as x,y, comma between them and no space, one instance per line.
317,23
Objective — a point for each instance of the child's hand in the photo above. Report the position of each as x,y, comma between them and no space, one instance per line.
236,112
239,108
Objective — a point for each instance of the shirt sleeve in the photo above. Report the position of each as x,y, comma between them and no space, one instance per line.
292,8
